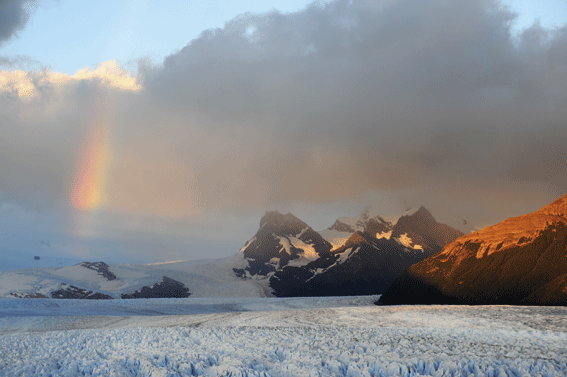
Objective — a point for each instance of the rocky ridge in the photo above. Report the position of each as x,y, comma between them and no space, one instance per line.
520,261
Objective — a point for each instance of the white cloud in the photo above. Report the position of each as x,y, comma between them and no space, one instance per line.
26,84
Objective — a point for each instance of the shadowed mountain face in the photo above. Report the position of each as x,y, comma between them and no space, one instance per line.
520,261
420,228
364,265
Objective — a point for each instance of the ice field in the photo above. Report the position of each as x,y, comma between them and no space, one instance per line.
332,336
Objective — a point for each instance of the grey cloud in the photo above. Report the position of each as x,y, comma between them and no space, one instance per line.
351,97
42,139
431,102
14,15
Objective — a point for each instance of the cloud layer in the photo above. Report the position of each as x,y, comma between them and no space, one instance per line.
352,97
428,102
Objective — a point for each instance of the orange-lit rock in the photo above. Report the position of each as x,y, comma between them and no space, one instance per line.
522,260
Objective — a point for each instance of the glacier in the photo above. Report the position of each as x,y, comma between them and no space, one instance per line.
319,336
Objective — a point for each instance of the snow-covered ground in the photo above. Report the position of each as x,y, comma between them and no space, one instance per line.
337,336
203,278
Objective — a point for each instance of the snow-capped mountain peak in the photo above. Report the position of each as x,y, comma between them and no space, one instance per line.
281,240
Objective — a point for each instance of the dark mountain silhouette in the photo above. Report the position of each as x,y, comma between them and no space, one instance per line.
520,261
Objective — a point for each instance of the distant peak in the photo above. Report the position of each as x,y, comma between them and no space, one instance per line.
277,214
277,219
417,211
272,213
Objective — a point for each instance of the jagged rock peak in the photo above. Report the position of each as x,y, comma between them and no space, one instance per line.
421,213
377,225
360,222
341,227
423,230
357,238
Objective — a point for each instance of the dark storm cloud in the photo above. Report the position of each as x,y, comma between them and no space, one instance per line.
357,96
14,15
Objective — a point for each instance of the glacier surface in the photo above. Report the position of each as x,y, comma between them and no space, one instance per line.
323,336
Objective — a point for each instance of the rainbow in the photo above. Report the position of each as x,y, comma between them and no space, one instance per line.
88,189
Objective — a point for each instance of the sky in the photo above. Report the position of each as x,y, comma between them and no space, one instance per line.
147,131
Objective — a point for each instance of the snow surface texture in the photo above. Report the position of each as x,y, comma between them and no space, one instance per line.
338,336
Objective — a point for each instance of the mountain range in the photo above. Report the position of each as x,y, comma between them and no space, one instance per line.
286,257
413,260
355,256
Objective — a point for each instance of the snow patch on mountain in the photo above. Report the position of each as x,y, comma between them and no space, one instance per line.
307,255
345,255
385,235
243,248
308,249
302,232
344,227
408,242
286,246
